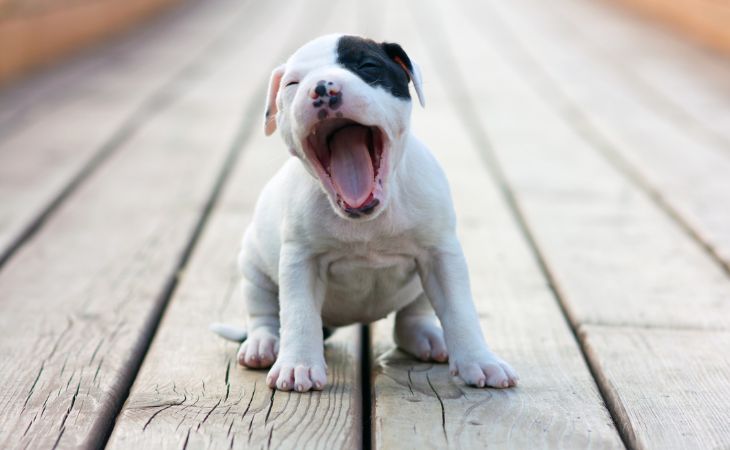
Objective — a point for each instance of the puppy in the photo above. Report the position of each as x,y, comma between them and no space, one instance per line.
359,224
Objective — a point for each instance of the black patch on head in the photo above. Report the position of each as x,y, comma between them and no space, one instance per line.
376,63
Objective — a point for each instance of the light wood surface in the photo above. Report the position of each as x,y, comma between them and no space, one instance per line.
419,405
681,169
81,299
617,260
707,21
42,35
671,385
587,158
50,149
208,400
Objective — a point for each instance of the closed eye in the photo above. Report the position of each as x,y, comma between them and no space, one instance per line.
291,83
368,66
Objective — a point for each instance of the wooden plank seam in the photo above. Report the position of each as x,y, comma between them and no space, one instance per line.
162,98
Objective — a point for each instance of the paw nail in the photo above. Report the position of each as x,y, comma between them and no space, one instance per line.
284,385
505,383
318,385
300,388
480,383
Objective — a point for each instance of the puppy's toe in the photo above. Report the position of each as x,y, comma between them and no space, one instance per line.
421,337
496,376
484,370
300,377
259,350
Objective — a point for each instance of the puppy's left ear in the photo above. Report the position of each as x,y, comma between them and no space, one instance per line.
397,54
271,109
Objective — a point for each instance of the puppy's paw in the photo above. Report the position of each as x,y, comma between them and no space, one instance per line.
486,370
296,374
422,337
259,350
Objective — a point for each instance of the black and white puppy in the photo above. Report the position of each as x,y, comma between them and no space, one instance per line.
359,224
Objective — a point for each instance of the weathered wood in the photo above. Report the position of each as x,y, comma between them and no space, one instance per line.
190,388
616,259
418,405
102,109
685,83
683,171
601,230
675,382
80,301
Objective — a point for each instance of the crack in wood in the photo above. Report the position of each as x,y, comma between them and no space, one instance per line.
70,407
32,387
443,410
209,413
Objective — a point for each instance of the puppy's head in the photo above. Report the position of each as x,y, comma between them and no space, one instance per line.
342,105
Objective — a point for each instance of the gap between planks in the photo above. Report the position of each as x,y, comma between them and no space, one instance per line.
160,99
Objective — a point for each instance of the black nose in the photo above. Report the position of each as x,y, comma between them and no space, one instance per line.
321,89
324,89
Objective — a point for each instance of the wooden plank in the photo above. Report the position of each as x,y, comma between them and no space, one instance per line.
417,405
28,40
190,389
590,220
617,261
80,301
44,91
673,379
100,113
636,135
680,80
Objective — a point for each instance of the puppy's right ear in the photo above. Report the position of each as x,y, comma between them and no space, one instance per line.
271,110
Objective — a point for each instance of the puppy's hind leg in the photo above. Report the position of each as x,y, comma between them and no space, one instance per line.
261,347
418,332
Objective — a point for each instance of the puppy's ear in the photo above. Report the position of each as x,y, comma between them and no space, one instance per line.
271,109
397,54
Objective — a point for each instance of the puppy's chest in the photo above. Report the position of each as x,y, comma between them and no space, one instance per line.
390,262
365,284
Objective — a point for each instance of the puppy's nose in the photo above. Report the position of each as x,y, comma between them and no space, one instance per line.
324,89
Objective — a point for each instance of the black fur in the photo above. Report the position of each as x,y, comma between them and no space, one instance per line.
376,63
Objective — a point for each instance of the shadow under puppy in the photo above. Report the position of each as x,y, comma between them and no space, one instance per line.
359,224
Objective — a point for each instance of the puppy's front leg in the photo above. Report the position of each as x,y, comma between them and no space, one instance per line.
301,363
445,278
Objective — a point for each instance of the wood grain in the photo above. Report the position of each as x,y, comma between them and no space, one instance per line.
634,284
604,239
673,385
102,109
191,391
81,299
683,172
418,405
684,83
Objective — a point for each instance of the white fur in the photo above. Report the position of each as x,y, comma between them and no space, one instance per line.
306,264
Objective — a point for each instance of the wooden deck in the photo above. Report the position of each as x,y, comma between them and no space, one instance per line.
589,157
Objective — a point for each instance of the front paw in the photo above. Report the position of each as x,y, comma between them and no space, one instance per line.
297,373
485,370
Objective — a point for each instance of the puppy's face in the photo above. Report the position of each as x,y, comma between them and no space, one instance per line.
342,105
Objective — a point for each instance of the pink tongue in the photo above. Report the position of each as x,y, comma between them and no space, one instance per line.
350,166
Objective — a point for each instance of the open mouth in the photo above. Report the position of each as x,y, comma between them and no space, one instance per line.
347,156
